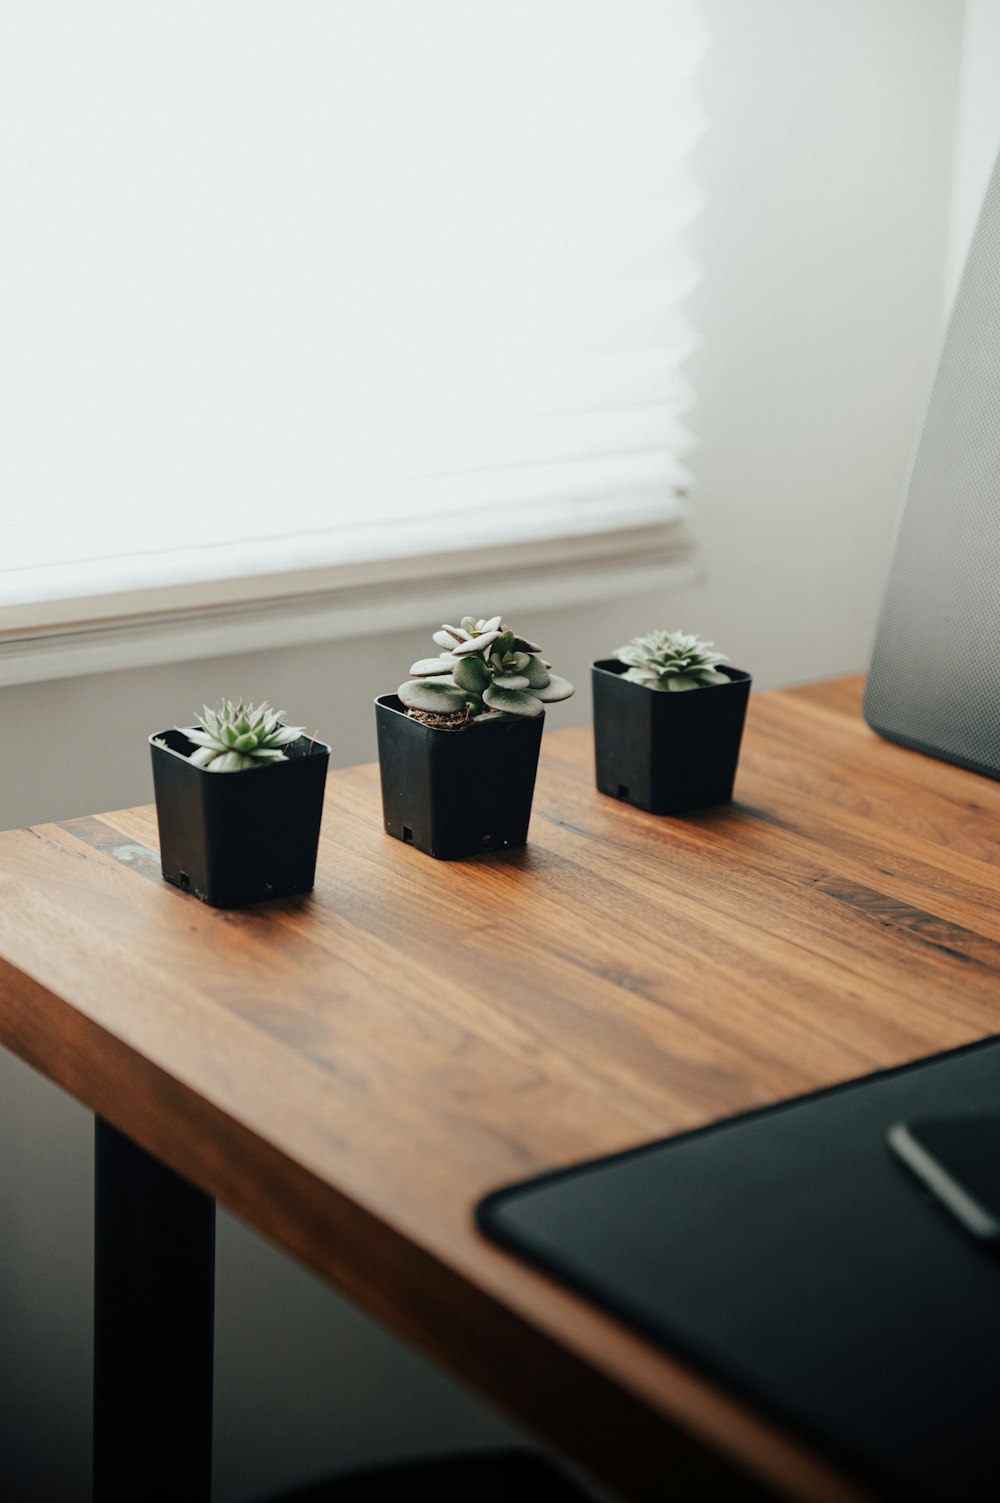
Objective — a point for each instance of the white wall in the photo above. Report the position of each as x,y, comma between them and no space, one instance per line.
827,173
977,135
828,177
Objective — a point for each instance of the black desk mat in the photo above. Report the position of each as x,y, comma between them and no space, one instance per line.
786,1252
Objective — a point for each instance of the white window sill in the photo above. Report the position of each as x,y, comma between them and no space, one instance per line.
65,638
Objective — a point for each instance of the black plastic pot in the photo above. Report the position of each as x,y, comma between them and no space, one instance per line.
667,753
233,838
456,793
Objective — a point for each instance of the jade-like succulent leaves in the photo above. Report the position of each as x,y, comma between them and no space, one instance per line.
236,737
671,660
485,671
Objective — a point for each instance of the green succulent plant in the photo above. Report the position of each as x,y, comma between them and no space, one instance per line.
485,673
236,737
672,661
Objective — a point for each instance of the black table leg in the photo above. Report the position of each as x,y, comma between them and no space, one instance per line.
154,1288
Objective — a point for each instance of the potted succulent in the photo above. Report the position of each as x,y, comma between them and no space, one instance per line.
239,799
668,719
458,742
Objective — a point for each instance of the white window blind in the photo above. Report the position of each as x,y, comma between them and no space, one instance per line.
286,286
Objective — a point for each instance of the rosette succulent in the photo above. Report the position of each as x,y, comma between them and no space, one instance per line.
672,660
236,737
484,673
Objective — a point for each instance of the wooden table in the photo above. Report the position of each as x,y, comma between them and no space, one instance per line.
350,1071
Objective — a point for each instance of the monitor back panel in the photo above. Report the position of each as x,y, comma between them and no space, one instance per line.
934,681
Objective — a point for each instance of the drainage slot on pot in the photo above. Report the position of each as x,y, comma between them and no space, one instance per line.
622,790
184,881
407,833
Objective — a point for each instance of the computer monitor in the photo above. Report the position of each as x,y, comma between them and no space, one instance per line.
934,681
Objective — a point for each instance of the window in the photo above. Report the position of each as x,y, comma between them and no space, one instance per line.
321,295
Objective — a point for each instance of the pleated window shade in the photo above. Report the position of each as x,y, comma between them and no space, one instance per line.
329,282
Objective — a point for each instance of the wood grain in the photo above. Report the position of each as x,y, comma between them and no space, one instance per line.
352,1070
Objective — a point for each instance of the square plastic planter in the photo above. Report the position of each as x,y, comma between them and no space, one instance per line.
456,793
667,753
233,838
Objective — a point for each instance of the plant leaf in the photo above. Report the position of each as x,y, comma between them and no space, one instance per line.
471,673
200,738
448,636
424,666
557,688
231,761
439,696
511,681
476,644
512,701
537,673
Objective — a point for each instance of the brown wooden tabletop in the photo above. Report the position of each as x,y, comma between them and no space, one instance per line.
352,1070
